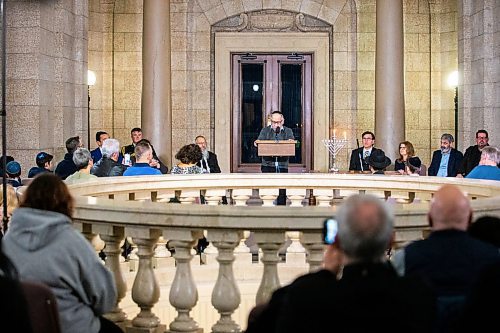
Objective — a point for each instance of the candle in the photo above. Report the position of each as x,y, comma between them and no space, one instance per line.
345,135
334,130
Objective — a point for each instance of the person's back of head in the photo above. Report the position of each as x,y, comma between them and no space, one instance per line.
490,156
189,154
72,143
12,201
81,158
110,147
365,228
48,192
42,158
13,169
487,229
142,149
450,209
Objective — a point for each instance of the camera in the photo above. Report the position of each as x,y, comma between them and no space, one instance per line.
330,229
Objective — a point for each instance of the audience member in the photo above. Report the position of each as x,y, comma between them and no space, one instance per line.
108,165
83,162
188,156
488,165
366,296
449,260
407,163
7,159
96,154
43,164
144,155
136,135
378,162
473,154
208,161
487,229
446,161
155,161
40,231
13,173
12,203
359,155
67,167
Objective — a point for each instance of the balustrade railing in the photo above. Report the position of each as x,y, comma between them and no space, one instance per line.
147,210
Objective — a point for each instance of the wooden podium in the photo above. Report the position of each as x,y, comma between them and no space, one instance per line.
276,148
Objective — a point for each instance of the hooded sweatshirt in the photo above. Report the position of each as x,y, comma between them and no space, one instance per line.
44,247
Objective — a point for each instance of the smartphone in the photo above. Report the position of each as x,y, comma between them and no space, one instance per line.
330,229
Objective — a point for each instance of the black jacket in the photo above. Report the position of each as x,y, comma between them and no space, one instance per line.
470,161
356,157
130,149
453,163
106,167
213,164
66,167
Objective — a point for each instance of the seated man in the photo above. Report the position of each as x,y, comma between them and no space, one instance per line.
472,154
143,156
446,161
359,155
368,286
208,162
43,162
108,166
378,162
67,167
83,162
96,154
128,152
13,172
488,165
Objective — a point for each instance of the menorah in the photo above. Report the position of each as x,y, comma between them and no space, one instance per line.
334,145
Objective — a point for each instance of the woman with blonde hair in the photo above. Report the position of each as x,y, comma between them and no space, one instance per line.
12,203
407,163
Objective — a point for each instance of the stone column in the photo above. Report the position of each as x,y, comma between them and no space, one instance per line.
156,113
389,77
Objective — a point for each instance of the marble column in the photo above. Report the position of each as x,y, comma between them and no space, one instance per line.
156,108
389,77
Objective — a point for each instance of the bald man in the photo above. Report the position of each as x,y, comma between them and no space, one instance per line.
448,260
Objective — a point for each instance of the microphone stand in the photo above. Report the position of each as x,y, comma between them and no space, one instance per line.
276,165
360,158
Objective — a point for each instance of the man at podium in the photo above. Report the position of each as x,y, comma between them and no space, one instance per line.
276,164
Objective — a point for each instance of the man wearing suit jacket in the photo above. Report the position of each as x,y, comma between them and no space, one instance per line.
445,161
359,155
96,154
208,161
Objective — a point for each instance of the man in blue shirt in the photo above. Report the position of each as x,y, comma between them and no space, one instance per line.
488,165
143,155
446,161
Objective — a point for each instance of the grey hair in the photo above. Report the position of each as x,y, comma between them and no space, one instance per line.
81,158
448,137
491,153
110,147
363,242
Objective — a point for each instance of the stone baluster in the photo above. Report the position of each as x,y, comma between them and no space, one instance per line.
295,253
183,292
270,242
225,295
296,196
242,252
162,256
188,197
213,197
145,290
324,197
313,242
268,196
92,237
113,236
241,196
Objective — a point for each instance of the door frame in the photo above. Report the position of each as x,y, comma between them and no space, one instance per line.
316,43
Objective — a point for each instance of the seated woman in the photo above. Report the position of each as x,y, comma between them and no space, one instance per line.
12,204
189,155
44,247
407,163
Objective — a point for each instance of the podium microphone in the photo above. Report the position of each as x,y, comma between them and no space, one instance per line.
276,132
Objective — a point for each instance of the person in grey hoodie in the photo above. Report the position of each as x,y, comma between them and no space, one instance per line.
44,247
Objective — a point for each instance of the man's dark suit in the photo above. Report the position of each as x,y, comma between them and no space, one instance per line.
471,159
213,164
356,157
453,163
368,298
96,155
130,149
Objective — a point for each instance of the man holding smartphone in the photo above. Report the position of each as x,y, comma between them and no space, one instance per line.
366,295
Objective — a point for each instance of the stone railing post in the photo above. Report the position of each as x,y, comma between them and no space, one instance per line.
93,238
146,290
113,236
312,241
270,242
183,292
225,295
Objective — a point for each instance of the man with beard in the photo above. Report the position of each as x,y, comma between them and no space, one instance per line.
208,162
472,154
446,161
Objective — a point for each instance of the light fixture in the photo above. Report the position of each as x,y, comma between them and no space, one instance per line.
255,87
295,56
91,79
248,56
453,79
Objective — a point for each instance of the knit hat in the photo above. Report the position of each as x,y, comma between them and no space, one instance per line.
13,169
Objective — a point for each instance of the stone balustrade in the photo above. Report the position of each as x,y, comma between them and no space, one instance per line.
140,208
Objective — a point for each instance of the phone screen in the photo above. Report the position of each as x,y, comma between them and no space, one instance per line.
330,229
